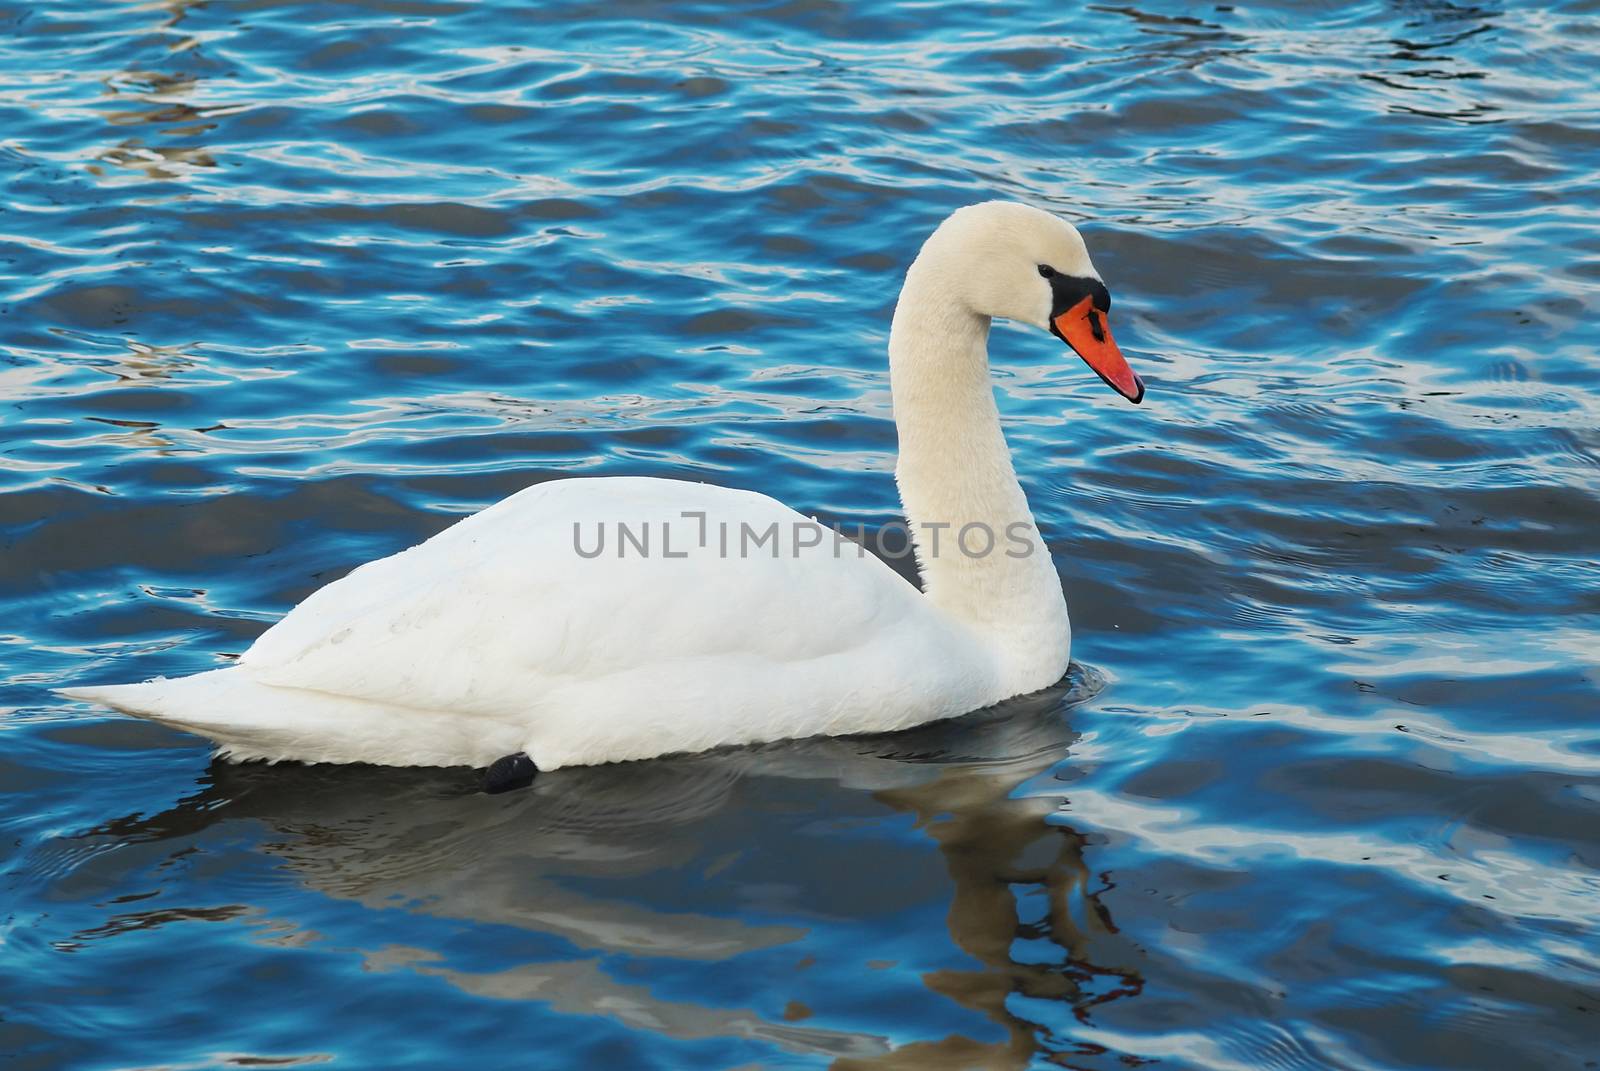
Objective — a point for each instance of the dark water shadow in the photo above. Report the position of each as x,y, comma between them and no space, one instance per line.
669,860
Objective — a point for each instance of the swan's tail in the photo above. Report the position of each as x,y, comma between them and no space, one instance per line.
200,703
223,705
251,720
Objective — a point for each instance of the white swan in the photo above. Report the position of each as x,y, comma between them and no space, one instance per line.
507,637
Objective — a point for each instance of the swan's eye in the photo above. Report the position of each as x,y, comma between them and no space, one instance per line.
1046,271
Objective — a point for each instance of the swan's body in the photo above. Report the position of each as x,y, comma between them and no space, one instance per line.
496,636
509,633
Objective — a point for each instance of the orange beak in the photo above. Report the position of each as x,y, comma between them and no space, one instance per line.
1086,330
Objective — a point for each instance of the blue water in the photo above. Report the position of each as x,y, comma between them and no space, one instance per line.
289,285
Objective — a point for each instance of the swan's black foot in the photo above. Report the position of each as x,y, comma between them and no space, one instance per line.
509,772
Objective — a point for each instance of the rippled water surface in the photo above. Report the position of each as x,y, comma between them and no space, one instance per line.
288,286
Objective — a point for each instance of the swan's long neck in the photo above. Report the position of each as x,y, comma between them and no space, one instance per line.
955,474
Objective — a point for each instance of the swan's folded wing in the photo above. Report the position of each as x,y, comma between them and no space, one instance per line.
514,603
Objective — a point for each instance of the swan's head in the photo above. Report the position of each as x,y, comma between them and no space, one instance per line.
1020,263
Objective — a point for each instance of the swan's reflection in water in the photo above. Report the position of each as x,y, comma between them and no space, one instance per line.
791,861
